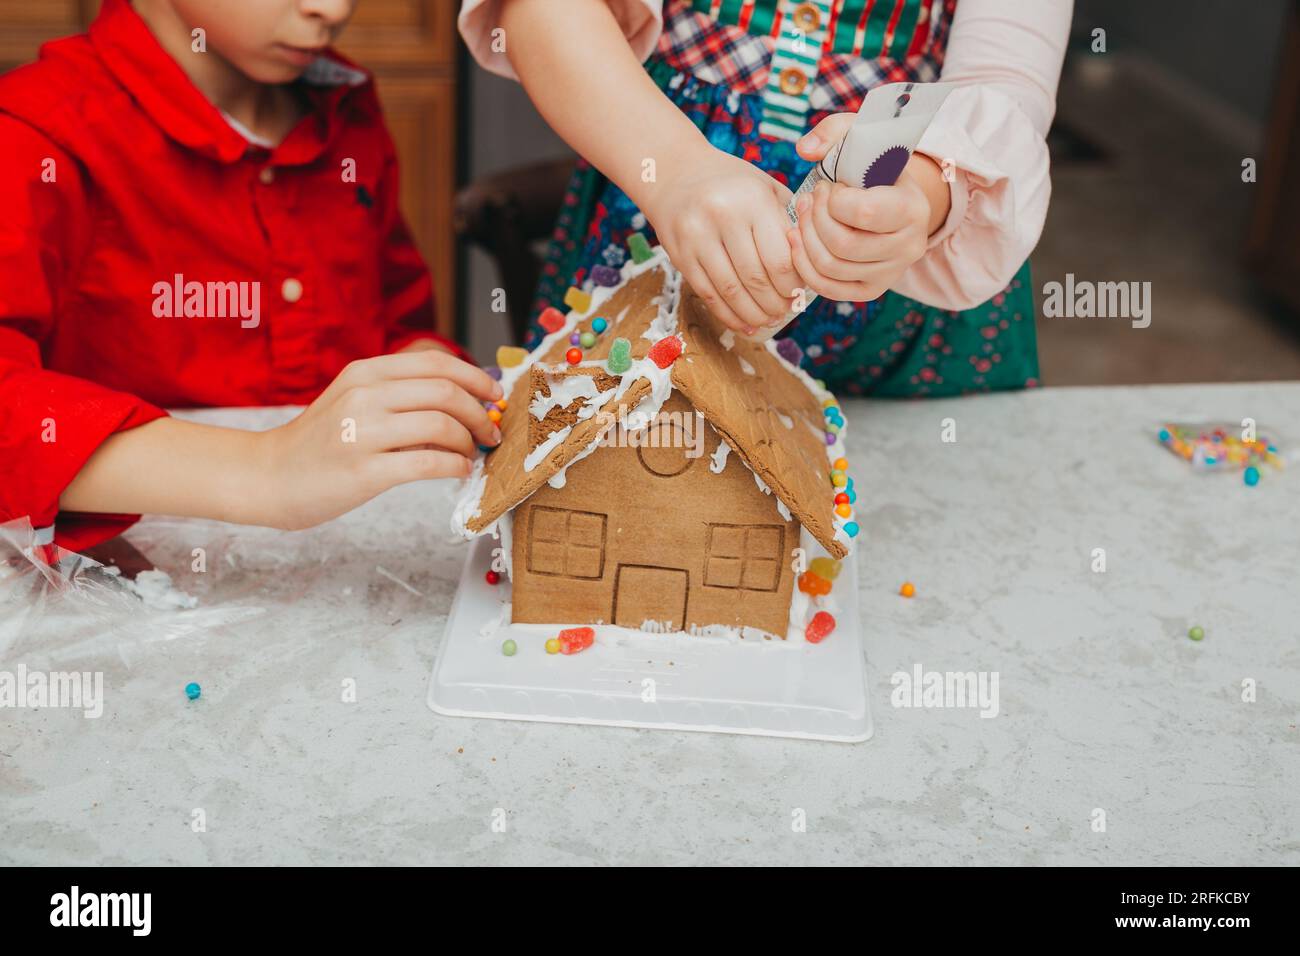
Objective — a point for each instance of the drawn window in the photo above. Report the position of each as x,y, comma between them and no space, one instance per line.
743,556
566,543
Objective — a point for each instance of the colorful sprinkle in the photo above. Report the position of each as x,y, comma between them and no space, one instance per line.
500,403
1196,634
553,646
587,339
193,690
814,584
620,357
575,338
508,356
664,352
606,276
838,478
841,464
492,577
639,247
1251,475
551,319
827,568
842,499
599,325
494,415
819,627
830,438
844,511
573,640
577,300
851,529
908,589
509,648
789,350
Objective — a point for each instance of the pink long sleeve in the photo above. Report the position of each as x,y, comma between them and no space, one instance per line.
1006,55
641,20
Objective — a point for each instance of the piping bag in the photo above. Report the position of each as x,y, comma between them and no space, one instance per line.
889,123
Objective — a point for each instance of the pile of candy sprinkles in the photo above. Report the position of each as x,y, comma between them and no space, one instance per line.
1220,449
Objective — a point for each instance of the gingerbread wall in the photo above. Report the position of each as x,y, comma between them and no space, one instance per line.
640,534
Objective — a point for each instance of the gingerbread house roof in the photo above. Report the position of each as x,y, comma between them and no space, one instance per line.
768,411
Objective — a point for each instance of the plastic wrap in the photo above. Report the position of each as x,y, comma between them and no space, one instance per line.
58,605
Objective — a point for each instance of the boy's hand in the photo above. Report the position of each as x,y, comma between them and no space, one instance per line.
723,223
382,422
851,245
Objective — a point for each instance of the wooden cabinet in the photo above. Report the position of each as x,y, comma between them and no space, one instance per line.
410,46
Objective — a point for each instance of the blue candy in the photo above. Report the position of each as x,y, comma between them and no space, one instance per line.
851,529
193,690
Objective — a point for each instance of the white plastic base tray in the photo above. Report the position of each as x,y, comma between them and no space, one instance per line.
630,678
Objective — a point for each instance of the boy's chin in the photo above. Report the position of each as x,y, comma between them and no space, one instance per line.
270,71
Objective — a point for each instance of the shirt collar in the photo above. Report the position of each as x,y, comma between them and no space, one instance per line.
163,91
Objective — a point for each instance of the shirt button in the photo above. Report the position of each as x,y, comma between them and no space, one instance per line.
806,17
291,290
791,81
266,176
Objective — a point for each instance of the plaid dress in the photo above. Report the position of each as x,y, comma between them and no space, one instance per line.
754,75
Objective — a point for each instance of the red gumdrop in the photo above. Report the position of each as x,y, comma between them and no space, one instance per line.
664,352
492,577
551,319
575,639
821,624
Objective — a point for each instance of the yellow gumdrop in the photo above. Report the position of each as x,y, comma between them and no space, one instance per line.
508,356
577,300
827,568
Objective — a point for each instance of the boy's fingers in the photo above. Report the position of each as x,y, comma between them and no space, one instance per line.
418,464
410,429
428,363
817,142
439,394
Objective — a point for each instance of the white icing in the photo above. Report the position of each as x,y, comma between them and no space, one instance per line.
781,509
564,389
156,591
785,419
718,460
744,365
728,339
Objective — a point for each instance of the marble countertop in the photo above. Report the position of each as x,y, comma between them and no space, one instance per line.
1107,712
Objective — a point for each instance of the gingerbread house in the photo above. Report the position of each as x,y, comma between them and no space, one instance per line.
682,485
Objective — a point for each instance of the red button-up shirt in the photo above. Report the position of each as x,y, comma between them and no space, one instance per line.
151,256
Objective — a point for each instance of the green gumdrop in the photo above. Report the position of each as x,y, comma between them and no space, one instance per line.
826,568
620,356
640,249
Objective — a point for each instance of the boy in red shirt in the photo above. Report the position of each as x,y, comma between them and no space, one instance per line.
200,208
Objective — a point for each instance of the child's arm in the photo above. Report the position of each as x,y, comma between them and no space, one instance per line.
69,444
383,422
971,204
721,219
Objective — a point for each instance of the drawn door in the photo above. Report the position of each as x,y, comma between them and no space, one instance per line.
644,593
